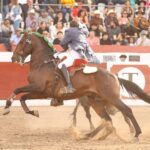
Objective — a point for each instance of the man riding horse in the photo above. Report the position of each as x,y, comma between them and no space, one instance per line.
75,47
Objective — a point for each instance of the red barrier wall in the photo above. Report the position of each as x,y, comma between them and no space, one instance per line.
12,76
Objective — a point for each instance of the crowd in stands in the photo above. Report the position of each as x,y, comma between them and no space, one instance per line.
119,22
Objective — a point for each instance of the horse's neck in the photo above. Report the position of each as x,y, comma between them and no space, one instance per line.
39,56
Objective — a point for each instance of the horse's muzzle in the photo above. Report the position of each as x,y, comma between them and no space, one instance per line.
17,59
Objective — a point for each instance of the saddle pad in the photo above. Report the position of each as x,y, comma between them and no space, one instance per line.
90,69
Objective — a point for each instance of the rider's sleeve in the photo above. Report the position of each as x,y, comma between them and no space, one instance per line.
84,29
66,40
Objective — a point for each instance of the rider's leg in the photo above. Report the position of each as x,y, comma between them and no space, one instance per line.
66,74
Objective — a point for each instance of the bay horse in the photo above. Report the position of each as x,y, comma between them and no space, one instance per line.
46,81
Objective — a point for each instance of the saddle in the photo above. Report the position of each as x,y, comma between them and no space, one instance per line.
82,64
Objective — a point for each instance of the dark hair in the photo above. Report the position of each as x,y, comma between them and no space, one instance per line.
80,11
59,32
74,24
105,33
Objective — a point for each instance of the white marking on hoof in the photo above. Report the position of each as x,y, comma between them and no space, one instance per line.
6,111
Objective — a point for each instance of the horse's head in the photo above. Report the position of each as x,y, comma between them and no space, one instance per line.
23,49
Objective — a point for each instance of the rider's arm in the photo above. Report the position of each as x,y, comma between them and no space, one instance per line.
66,40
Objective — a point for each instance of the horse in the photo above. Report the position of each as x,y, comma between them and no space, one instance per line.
45,81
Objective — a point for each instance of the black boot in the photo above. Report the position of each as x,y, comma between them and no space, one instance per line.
65,72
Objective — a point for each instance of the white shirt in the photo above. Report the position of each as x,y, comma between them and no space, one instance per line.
22,1
141,42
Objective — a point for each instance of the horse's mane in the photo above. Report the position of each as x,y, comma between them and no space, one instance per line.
45,39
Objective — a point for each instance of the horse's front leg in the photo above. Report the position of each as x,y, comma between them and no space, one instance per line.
24,89
33,95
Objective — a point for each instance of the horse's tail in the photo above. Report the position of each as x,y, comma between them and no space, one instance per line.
133,88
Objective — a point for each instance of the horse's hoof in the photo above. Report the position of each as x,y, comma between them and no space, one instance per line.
36,113
6,111
134,140
92,128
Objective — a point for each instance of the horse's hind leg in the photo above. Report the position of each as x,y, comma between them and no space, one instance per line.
106,126
74,113
127,112
86,106
127,120
104,129
30,96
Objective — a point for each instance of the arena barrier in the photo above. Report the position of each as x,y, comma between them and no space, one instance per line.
134,67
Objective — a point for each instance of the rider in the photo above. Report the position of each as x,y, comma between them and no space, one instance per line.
75,46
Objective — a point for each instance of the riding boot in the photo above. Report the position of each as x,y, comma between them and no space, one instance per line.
66,74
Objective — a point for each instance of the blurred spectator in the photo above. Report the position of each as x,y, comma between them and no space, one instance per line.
109,7
111,16
66,13
131,41
121,39
7,28
131,18
74,11
123,21
47,35
5,7
55,28
96,29
15,38
148,3
143,40
31,20
139,1
59,18
5,41
59,37
140,22
44,17
128,8
101,1
148,34
92,39
25,7
96,19
114,31
142,7
15,14
43,27
50,11
105,39
83,17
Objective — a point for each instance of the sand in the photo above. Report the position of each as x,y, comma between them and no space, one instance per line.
19,131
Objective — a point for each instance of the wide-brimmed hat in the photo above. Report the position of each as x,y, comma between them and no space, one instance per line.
31,11
111,11
96,12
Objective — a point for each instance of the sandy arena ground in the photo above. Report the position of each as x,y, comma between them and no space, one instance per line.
19,131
